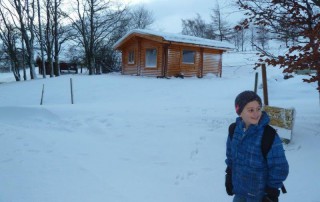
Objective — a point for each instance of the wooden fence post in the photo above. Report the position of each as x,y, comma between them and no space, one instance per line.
71,88
41,102
265,85
256,83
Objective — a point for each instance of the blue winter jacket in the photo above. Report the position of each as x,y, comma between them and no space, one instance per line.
251,172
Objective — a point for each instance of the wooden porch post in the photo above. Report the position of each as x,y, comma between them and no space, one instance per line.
122,64
139,57
220,64
165,60
200,72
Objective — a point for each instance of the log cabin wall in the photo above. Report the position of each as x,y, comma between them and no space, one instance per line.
174,57
205,60
176,65
139,46
187,69
151,71
130,68
212,62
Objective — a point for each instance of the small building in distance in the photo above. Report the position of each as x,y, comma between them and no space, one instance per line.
153,53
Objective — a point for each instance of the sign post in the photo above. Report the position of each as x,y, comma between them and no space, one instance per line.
265,85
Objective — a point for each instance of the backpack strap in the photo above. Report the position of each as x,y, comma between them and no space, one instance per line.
268,136
231,130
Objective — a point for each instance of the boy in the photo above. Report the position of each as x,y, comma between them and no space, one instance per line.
251,177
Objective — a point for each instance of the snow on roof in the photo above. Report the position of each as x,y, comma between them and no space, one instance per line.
180,39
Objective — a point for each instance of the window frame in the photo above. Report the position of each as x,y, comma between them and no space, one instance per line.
131,57
150,60
185,60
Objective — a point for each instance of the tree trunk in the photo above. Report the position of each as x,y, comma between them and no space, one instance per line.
15,70
50,65
56,41
32,68
318,74
23,62
27,31
41,43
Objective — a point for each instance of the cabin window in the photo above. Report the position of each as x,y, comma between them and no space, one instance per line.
151,57
131,57
188,56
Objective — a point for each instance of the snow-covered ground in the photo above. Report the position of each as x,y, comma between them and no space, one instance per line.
142,139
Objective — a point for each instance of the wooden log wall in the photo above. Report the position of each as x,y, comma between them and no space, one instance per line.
151,71
189,70
174,57
140,46
130,69
206,60
212,62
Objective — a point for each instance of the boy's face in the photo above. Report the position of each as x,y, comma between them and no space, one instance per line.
251,113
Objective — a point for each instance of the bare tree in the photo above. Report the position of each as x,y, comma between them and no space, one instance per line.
25,12
63,34
223,29
21,17
9,36
301,15
41,41
49,39
95,22
198,27
56,39
140,18
23,60
240,37
262,36
252,36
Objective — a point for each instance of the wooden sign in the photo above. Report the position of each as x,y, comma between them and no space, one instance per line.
282,120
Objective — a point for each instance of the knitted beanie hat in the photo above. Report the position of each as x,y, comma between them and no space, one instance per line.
244,98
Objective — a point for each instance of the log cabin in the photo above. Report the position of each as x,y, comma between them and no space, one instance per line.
153,53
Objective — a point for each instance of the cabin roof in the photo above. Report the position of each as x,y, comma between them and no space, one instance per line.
176,38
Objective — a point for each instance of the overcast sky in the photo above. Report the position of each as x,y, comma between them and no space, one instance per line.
168,13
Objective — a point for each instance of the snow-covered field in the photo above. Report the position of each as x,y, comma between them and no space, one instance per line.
142,139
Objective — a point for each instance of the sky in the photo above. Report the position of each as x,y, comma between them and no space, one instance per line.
142,139
168,13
